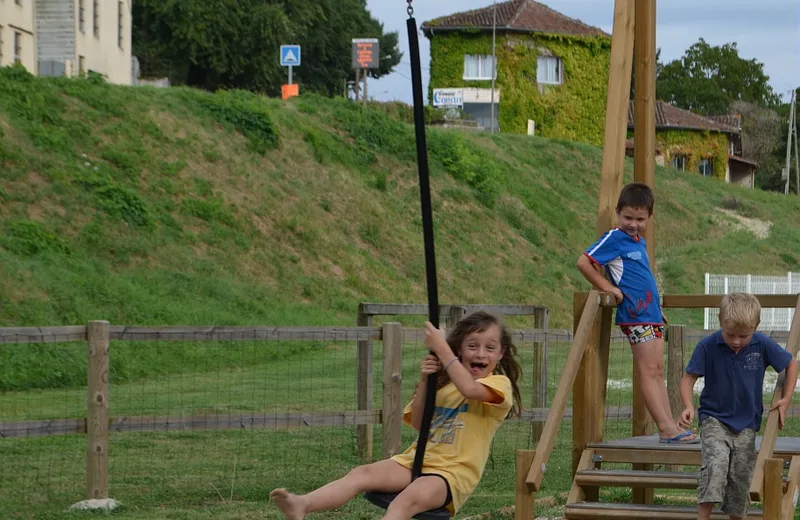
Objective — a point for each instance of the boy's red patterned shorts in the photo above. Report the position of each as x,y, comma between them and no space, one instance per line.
642,333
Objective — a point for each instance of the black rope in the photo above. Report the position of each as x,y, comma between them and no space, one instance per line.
427,230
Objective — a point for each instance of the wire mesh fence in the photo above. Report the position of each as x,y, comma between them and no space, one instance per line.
213,416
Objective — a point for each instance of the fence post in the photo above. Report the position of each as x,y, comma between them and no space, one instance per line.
97,333
366,389
676,336
541,322
392,407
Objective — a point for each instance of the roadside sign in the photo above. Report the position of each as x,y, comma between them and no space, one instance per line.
366,53
448,97
290,55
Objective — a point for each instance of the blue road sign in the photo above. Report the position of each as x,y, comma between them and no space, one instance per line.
290,55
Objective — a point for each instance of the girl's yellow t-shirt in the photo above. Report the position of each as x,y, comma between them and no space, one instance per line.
460,437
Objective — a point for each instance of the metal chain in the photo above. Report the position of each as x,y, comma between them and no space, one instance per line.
410,9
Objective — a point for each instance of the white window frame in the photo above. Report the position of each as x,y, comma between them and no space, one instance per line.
96,18
702,167
485,67
82,16
120,24
17,47
678,161
559,70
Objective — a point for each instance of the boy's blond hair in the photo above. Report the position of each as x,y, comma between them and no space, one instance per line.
741,310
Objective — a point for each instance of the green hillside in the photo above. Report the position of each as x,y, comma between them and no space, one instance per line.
175,206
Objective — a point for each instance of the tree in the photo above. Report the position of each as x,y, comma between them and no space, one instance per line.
709,79
761,137
236,43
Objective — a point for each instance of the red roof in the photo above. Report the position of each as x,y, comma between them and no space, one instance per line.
672,117
514,16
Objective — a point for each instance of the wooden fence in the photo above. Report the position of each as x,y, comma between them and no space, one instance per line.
97,424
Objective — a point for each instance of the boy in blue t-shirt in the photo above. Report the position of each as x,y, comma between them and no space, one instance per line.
733,361
623,253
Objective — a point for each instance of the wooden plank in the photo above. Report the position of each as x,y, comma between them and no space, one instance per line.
700,301
597,510
770,434
9,429
643,456
637,479
523,496
792,490
773,488
244,421
420,309
616,119
365,391
66,334
392,416
548,438
541,321
137,333
97,411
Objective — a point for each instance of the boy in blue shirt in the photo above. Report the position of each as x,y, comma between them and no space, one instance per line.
733,361
623,253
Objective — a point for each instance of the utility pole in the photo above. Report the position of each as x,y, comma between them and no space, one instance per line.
789,144
494,58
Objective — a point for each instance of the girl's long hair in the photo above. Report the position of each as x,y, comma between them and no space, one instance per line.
508,365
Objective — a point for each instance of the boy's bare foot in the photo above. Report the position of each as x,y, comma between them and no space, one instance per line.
292,506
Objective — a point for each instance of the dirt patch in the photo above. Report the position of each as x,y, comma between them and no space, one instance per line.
760,228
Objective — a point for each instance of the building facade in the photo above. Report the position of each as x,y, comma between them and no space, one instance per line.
68,37
550,71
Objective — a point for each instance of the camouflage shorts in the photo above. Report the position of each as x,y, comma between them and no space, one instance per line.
728,462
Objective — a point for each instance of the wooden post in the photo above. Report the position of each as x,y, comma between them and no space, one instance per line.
589,388
523,497
366,389
644,161
617,106
97,333
357,84
454,315
676,335
773,489
392,411
787,508
541,321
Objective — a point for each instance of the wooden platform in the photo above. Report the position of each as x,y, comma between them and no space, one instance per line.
783,445
597,510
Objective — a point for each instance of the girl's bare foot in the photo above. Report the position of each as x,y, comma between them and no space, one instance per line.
292,506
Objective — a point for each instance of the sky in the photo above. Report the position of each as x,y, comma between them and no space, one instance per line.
767,30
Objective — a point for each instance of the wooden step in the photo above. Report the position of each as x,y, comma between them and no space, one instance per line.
636,479
600,510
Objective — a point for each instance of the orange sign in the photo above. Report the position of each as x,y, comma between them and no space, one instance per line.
289,91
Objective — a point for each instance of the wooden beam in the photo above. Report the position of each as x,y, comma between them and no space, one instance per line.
365,389
773,489
700,301
788,506
419,309
559,403
644,167
70,333
616,121
770,434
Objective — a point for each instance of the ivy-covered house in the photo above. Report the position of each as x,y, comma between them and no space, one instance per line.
710,146
551,71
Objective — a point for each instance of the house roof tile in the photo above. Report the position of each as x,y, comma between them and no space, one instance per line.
672,117
517,16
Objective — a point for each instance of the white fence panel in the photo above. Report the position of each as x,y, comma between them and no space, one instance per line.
771,319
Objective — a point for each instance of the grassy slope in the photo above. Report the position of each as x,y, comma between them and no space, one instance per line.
329,218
